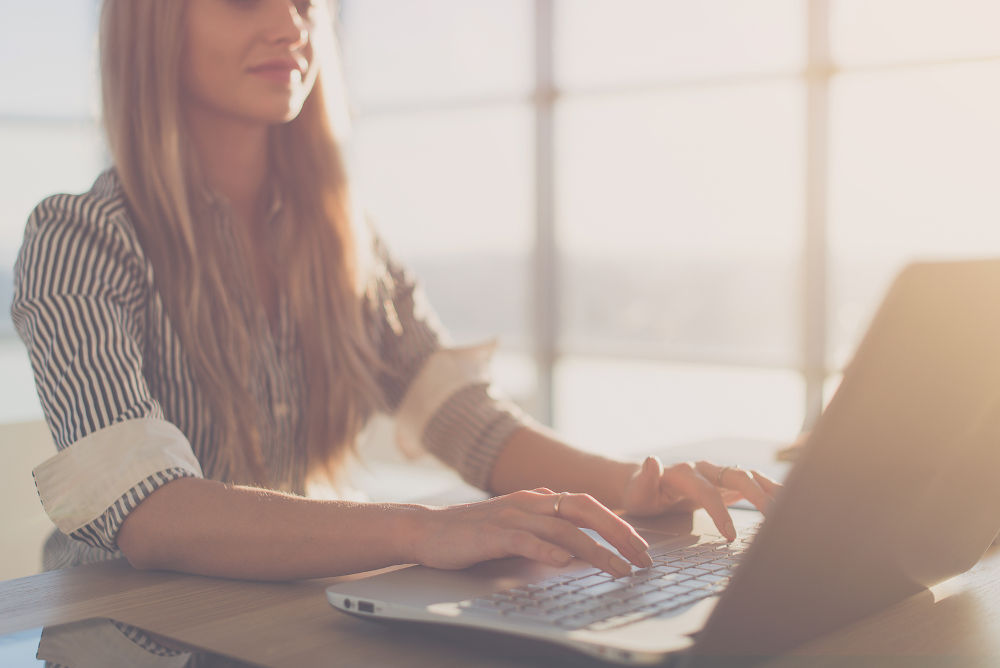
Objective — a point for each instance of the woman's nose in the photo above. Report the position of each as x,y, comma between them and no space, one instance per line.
289,26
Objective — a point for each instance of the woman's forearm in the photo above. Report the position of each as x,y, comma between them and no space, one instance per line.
535,458
209,528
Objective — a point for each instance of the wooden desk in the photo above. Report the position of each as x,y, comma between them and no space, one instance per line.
291,624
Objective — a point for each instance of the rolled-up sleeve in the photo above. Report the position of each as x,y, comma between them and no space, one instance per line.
80,291
441,395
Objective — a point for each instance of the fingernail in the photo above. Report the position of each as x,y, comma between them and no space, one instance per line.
641,554
731,532
620,567
639,544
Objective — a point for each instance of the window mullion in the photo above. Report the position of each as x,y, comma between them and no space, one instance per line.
815,241
545,274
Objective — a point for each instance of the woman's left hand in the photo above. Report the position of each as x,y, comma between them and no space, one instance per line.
653,489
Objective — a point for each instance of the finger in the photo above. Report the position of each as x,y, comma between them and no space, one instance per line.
583,510
652,485
684,506
563,533
692,484
730,478
580,510
768,485
648,478
521,543
586,511
652,469
731,496
675,500
744,482
532,500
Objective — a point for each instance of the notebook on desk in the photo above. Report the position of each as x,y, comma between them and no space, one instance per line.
893,493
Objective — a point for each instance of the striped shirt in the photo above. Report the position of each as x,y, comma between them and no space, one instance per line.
121,400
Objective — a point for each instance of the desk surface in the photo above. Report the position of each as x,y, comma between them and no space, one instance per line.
291,624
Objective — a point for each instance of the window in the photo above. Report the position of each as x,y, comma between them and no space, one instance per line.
731,186
51,143
677,217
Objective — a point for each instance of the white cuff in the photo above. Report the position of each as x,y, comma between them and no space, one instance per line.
82,481
444,373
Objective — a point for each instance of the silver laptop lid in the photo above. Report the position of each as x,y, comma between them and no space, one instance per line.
896,488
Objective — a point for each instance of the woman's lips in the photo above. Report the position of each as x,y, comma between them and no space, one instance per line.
278,72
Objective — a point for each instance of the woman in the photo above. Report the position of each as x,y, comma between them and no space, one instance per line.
209,328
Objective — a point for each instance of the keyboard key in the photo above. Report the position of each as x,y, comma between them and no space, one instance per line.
701,558
551,605
626,592
572,599
666,567
719,568
654,598
530,615
676,610
670,576
642,576
605,587
564,588
581,620
586,572
591,580
647,587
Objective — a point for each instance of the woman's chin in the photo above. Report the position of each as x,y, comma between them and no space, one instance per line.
275,116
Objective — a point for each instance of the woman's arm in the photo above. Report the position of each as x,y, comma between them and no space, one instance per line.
534,457
209,528
205,527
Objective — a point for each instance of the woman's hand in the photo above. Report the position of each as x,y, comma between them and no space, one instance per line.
653,489
538,524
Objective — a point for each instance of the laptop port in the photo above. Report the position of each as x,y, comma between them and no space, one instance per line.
365,606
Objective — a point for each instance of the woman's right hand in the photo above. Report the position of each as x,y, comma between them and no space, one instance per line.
527,524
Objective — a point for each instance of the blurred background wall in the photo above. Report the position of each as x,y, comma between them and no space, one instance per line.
676,216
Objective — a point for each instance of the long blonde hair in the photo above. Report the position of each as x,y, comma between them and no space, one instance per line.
141,51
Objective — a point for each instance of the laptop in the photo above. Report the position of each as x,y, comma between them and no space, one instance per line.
894,492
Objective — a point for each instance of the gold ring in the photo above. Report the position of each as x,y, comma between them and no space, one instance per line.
559,498
722,472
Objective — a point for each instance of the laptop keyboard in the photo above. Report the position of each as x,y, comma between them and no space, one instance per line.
594,600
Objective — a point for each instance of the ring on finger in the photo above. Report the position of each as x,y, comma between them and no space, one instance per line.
558,502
